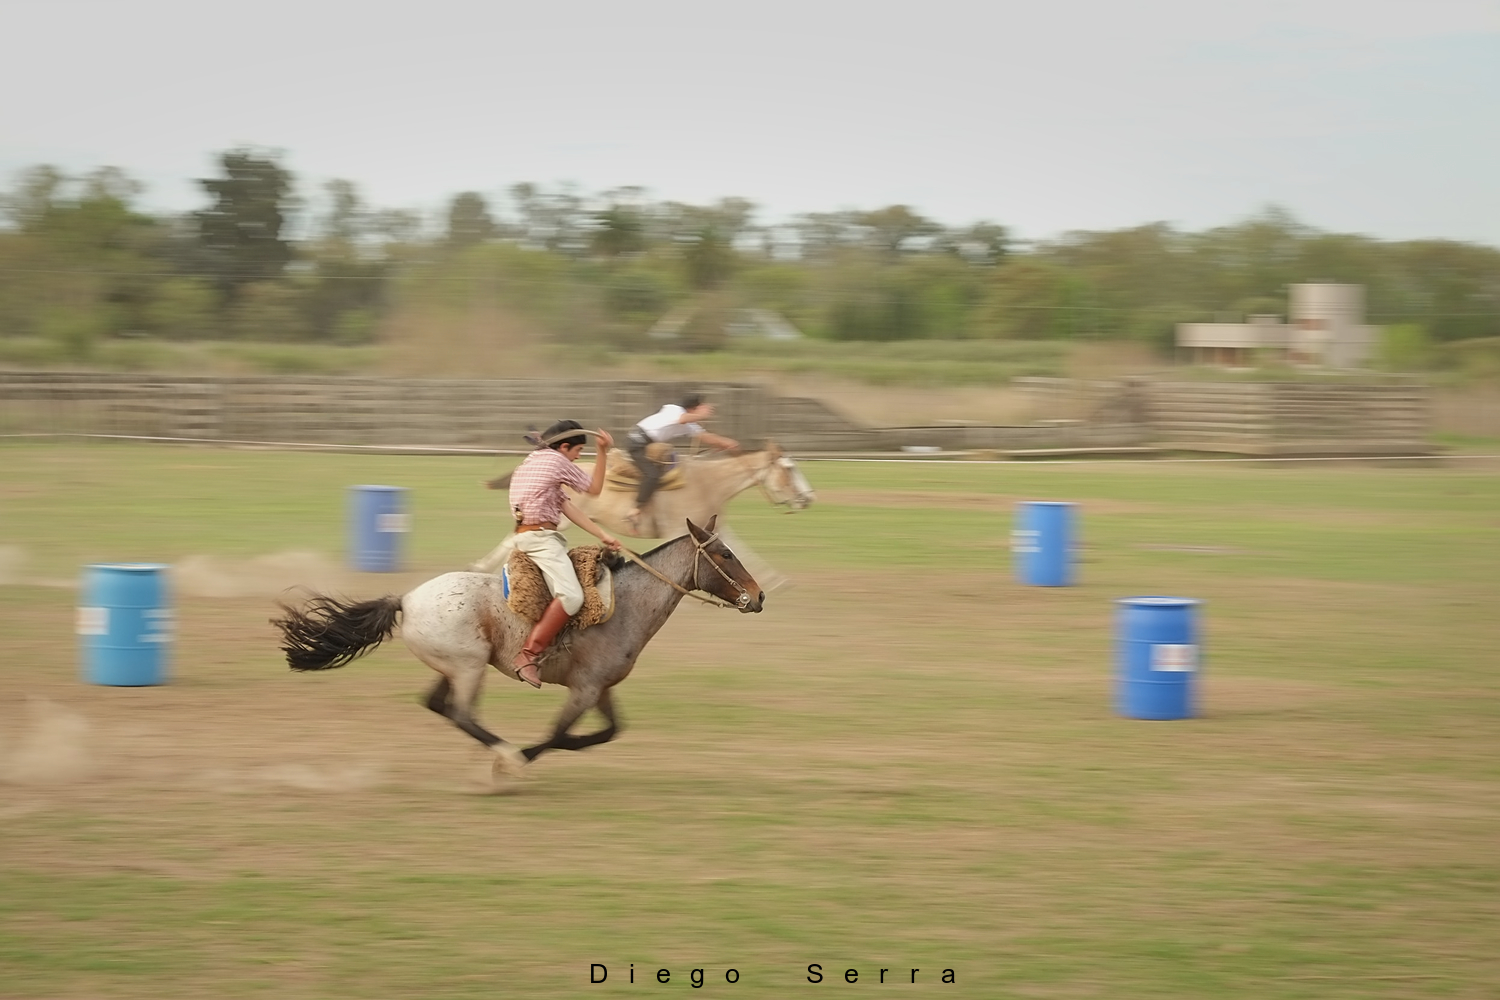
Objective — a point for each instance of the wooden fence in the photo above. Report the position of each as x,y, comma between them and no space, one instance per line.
1246,417
1290,418
1467,411
1256,418
450,413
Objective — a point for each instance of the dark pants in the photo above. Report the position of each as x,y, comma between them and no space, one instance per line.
649,469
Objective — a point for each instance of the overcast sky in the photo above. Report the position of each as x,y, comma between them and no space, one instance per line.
1373,116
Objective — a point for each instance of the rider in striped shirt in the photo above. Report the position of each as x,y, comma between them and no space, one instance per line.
538,502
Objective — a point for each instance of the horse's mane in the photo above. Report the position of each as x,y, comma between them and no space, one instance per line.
671,541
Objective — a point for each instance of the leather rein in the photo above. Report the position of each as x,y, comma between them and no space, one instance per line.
698,554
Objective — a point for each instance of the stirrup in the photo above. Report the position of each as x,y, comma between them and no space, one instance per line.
532,666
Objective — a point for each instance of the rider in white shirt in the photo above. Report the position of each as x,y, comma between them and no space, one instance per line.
671,422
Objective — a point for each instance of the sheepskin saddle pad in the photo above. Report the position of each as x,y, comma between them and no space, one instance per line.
527,594
624,477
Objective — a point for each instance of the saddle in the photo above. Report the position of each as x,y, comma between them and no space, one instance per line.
527,594
624,477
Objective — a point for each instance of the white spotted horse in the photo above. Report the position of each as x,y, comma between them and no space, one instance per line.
460,625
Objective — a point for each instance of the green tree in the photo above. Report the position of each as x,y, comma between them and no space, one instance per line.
555,220
707,256
344,222
240,234
36,194
77,245
619,229
1026,299
983,243
182,309
76,332
268,310
469,220
1405,347
1453,289
893,229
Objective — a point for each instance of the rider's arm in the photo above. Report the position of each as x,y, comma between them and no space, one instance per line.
718,441
596,482
572,513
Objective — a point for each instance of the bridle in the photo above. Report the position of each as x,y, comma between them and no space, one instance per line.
699,553
762,475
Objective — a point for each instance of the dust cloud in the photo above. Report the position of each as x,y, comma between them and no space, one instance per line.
214,576
52,747
261,576
300,777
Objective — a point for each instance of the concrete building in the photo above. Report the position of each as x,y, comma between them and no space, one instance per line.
1326,329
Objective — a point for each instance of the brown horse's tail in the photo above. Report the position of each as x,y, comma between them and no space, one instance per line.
328,633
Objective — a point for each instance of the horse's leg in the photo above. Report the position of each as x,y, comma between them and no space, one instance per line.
460,687
495,560
437,698
606,707
580,700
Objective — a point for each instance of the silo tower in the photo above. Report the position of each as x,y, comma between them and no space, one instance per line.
1328,325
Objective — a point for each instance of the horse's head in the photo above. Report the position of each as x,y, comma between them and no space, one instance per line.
783,481
717,571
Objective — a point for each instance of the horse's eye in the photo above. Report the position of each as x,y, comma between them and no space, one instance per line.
727,554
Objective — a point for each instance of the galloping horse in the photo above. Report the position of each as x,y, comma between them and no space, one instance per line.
459,624
707,486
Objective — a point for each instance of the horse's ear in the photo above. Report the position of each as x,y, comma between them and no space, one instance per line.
702,534
709,527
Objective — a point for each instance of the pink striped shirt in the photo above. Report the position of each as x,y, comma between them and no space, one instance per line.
536,486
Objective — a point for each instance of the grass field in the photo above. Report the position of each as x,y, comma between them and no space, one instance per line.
908,761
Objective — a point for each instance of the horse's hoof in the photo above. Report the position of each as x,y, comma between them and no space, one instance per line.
509,762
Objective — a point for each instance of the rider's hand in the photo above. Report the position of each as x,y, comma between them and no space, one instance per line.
606,440
610,542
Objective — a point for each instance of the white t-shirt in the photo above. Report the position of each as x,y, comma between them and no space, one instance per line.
663,426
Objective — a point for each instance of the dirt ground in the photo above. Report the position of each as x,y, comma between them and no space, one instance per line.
908,757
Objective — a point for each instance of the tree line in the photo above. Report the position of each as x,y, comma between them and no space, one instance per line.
80,260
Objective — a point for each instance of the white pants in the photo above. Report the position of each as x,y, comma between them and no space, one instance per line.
549,550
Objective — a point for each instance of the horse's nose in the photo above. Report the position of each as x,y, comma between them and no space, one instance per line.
760,601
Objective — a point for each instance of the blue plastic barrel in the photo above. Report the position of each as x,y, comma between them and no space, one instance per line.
125,624
1043,543
377,521
1157,657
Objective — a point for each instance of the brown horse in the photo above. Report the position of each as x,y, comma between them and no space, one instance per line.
459,625
709,484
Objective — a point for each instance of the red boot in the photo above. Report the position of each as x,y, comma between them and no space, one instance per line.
542,634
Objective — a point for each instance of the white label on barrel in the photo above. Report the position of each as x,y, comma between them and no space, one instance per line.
159,622
1182,659
392,523
93,621
1022,540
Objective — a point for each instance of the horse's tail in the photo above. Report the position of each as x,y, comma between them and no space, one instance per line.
328,633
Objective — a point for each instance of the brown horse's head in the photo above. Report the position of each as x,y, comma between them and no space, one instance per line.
783,481
717,571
